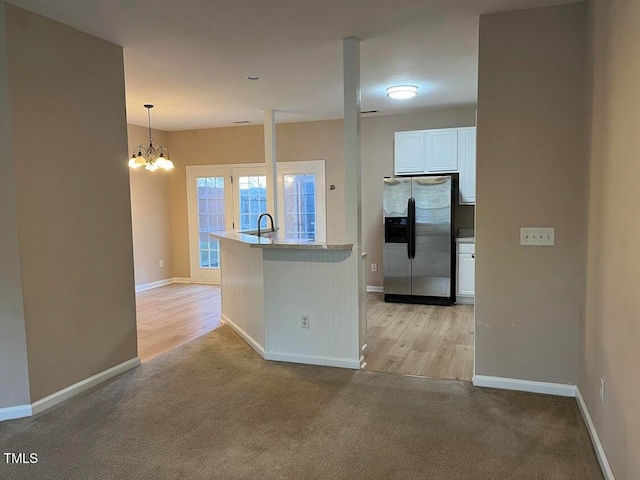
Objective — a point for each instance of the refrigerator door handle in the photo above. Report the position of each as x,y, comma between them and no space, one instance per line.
411,243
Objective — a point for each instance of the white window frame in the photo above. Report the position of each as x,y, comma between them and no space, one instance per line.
317,168
244,171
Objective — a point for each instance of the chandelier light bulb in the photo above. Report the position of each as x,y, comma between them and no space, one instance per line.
168,165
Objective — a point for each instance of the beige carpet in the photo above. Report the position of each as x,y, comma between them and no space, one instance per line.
212,409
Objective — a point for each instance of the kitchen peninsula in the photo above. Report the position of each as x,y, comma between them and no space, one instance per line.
293,301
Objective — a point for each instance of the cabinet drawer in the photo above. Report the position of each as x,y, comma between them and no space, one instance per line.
466,248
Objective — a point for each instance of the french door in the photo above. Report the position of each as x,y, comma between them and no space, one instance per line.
209,194
229,197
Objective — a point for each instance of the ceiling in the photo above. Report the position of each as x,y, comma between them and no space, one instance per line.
190,57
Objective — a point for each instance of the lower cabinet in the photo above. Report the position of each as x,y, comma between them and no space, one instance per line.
465,278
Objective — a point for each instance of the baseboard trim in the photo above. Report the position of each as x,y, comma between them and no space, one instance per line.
81,386
558,389
181,280
149,286
245,336
169,281
19,411
314,360
595,439
374,289
465,300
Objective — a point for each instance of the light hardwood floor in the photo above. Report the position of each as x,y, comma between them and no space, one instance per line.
173,315
419,340
424,340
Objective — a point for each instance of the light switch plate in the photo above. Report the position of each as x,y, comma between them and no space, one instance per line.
538,236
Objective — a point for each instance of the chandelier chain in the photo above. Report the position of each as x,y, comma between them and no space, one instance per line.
149,118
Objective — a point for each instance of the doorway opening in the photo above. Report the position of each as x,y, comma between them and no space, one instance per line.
421,322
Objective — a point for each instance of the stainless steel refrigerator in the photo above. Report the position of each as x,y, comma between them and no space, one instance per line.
418,260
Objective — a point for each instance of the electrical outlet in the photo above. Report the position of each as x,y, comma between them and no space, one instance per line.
374,267
537,236
602,390
161,263
305,320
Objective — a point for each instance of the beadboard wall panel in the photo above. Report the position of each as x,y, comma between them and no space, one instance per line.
324,285
242,291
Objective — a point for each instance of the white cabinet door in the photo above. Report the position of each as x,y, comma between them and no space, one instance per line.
466,275
467,165
409,153
442,150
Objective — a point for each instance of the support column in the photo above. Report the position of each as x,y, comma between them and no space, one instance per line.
352,181
270,163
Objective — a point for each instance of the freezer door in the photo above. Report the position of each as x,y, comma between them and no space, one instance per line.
396,194
396,265
396,269
431,268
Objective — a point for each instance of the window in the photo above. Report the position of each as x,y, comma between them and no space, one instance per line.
301,201
300,206
252,200
211,218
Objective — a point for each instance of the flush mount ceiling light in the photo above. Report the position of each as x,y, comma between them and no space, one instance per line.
151,158
402,92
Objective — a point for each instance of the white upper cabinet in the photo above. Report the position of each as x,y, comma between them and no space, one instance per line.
445,150
409,153
442,150
467,165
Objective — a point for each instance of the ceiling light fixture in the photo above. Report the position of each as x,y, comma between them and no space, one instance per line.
402,92
151,158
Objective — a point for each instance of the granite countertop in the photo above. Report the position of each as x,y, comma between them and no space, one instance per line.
466,239
466,235
268,243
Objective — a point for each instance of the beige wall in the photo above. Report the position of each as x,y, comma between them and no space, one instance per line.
377,163
610,335
150,213
308,141
69,144
531,172
14,375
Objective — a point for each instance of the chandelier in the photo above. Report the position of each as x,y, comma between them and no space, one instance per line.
151,158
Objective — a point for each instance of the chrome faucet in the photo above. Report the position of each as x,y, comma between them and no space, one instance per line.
260,219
